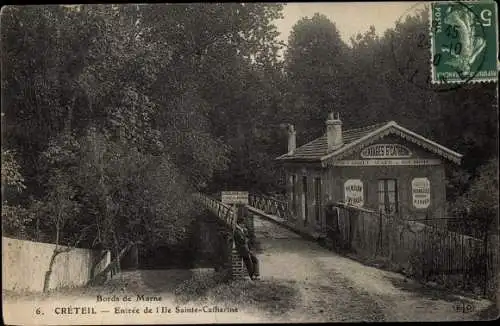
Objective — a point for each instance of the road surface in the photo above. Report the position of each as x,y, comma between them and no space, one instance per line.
335,288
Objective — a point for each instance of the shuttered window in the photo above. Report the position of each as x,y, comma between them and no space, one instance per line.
317,199
294,193
305,208
388,196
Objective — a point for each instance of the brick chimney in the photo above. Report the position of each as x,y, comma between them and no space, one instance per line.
291,139
334,132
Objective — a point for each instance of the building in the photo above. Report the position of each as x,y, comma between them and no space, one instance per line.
380,167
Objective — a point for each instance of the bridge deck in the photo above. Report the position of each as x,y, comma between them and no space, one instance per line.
284,223
226,213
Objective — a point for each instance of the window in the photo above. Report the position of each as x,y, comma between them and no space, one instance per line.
293,180
317,199
388,196
304,199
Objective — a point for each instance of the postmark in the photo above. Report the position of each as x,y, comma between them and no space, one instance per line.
464,42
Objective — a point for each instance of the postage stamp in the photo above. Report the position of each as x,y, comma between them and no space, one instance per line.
464,42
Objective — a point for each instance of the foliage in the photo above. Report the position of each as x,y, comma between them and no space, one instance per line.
479,204
14,217
315,65
11,175
15,220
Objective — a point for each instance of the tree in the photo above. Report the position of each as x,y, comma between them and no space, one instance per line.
15,218
481,199
96,128
315,66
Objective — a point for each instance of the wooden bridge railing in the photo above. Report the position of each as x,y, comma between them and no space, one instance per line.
271,206
225,212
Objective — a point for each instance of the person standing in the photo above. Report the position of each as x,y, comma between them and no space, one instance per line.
241,239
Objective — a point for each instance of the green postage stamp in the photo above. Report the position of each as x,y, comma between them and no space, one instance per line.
464,41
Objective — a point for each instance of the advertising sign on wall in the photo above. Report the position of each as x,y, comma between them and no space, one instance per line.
385,151
385,162
353,192
421,192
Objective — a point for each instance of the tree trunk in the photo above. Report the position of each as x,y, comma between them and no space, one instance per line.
117,254
48,273
57,251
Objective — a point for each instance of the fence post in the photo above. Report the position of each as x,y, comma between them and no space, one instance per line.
379,238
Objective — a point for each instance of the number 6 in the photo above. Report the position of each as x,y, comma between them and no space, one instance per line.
486,17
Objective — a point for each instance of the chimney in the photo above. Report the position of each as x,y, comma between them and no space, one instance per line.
291,139
334,132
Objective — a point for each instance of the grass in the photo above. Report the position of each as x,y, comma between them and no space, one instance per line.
271,296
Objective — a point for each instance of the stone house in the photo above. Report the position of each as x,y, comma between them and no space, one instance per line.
383,167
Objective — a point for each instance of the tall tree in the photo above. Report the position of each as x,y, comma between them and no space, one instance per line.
316,69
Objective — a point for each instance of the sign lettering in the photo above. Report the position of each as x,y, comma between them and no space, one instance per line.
385,151
353,192
412,162
421,192
234,197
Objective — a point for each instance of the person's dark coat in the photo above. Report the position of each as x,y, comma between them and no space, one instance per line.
241,240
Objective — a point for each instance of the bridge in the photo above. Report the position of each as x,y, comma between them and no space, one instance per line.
262,206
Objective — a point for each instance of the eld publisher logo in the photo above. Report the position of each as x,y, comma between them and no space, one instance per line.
464,307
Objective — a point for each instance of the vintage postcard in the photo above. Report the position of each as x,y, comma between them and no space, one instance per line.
250,163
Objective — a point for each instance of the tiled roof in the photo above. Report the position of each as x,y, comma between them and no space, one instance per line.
317,148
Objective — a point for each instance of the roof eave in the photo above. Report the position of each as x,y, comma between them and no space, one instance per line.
441,150
298,159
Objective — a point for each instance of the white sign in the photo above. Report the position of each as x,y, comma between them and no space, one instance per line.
421,191
385,150
353,192
234,197
413,162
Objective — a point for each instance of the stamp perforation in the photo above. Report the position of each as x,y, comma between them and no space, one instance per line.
467,24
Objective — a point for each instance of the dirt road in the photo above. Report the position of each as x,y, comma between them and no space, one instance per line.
336,288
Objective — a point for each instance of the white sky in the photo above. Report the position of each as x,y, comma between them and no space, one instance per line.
350,17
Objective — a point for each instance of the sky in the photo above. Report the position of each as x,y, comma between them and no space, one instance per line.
350,17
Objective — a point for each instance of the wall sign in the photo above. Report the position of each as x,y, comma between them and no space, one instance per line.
385,151
413,162
353,192
421,192
234,197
